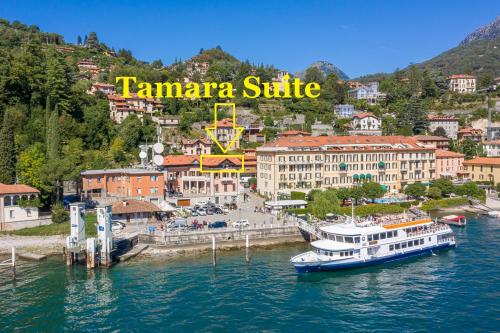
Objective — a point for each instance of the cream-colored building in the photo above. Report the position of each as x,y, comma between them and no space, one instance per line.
462,83
483,169
306,163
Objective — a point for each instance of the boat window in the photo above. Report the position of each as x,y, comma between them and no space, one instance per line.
356,239
331,237
421,241
389,234
370,238
395,233
348,239
339,238
351,253
397,246
415,242
429,239
341,254
331,254
375,237
410,244
382,235
403,245
391,247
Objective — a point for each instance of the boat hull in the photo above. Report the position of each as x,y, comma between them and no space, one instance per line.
334,266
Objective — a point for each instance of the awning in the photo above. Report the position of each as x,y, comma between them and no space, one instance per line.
381,164
384,187
343,165
355,176
362,176
368,176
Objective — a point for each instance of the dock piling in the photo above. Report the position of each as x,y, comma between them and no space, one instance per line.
214,252
14,262
247,248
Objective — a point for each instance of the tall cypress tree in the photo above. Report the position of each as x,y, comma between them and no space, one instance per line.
7,150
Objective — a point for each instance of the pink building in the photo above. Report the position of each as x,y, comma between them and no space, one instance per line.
183,178
448,163
196,147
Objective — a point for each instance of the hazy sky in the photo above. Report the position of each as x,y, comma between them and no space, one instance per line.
360,37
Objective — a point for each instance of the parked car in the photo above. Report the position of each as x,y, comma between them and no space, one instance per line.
217,224
241,224
218,210
210,211
178,222
117,225
202,212
201,203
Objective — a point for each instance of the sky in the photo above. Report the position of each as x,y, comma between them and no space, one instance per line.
359,37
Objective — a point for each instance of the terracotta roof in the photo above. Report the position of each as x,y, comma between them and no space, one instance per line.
470,130
362,115
442,117
190,142
133,206
492,142
430,138
446,153
226,122
294,133
178,160
17,189
345,141
483,161
461,76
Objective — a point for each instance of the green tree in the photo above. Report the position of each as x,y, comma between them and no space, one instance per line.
7,150
444,185
356,193
440,132
30,165
434,192
415,190
373,190
314,74
470,149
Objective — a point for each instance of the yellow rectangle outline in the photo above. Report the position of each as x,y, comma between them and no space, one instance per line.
240,170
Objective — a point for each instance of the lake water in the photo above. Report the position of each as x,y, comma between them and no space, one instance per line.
455,291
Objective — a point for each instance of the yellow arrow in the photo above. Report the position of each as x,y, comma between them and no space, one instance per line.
239,130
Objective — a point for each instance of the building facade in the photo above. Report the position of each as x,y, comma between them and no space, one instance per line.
448,163
438,142
183,178
483,169
10,209
112,184
105,88
344,111
492,148
120,108
196,147
365,124
462,83
368,92
306,163
474,134
448,123
225,133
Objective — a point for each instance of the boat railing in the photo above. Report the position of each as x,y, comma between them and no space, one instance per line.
427,231
446,239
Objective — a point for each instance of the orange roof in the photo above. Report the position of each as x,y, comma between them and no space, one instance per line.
173,160
483,161
447,154
470,130
215,161
294,133
133,206
226,122
17,189
461,76
191,142
442,117
362,115
430,138
369,141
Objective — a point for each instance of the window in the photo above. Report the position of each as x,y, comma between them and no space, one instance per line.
139,191
403,245
410,244
351,253
382,235
356,239
397,246
421,241
415,242
375,237
341,254
348,239
339,239
370,238
391,247
394,233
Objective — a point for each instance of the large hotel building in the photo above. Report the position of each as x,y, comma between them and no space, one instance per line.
305,163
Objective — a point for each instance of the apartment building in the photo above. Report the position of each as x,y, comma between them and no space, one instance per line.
365,123
448,163
462,83
306,163
141,184
105,88
448,123
183,178
196,146
483,169
438,142
474,134
225,133
120,107
368,92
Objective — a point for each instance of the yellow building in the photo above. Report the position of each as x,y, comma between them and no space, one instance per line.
483,169
305,163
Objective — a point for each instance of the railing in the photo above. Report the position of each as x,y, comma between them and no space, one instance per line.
227,234
428,231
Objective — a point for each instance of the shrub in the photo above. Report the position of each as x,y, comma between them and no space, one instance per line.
434,192
443,203
59,215
296,195
372,209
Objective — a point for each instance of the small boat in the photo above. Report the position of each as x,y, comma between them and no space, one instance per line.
494,213
458,220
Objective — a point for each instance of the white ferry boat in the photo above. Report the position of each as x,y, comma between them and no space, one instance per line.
364,243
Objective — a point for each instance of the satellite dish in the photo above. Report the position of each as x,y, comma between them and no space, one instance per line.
143,154
158,160
158,148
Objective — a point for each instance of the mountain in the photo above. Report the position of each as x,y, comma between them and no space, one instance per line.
212,55
326,68
490,31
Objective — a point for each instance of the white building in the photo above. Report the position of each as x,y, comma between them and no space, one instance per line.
10,208
366,124
448,123
344,111
102,87
462,83
492,148
368,92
